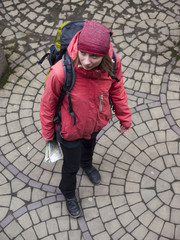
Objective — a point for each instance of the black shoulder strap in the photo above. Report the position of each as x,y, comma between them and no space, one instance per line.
68,71
114,62
114,67
69,81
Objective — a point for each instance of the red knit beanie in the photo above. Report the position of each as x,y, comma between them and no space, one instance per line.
94,38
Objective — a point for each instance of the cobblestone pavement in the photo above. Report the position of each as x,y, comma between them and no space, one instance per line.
139,197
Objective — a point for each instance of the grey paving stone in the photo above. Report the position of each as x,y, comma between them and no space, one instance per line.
62,235
167,176
162,149
91,213
133,225
140,232
132,150
177,231
116,190
29,234
85,192
25,221
7,148
55,209
34,217
103,235
166,196
119,173
101,190
107,213
127,237
5,189
147,194
74,234
151,235
41,230
52,226
16,185
122,209
154,204
95,226
126,218
100,149
105,141
175,213
158,164
156,225
16,204
114,151
168,230
164,213
138,209
102,201
112,133
13,229
43,213
152,172
112,226
143,159
146,218
121,142
141,129
107,166
137,167
37,195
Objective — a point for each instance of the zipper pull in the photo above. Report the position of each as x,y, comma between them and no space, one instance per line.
101,103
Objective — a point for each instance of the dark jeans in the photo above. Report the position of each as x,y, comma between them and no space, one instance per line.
77,154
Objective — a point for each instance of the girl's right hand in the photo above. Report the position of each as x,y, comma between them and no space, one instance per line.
123,129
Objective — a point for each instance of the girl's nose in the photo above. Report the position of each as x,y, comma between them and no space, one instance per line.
86,60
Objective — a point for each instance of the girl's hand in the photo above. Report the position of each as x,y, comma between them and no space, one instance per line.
123,129
47,140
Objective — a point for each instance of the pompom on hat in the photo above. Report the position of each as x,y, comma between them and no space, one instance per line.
94,38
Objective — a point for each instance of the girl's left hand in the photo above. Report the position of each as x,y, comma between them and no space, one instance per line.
123,129
47,140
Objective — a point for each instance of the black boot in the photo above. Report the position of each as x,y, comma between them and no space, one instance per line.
93,175
73,207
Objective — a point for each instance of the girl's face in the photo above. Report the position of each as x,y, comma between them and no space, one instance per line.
89,60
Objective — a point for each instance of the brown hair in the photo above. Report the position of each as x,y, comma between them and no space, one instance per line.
106,64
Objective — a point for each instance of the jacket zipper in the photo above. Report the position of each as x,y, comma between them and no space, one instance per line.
101,103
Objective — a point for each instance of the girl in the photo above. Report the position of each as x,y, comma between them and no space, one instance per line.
91,52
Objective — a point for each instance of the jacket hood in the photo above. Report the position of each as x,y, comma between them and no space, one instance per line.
73,50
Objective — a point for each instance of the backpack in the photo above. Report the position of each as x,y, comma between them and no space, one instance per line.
59,51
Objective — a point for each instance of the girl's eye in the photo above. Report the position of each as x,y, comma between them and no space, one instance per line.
83,53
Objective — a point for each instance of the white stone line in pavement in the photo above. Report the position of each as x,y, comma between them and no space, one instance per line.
29,210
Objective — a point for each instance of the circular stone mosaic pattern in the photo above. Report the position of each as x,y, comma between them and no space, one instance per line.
143,191
139,196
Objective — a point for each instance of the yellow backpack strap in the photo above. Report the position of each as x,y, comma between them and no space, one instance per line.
58,44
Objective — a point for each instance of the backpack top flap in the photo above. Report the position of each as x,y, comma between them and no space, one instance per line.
68,32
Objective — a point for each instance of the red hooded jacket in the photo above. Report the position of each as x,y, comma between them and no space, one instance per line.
89,96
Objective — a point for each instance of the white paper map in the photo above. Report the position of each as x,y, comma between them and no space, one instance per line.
53,152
